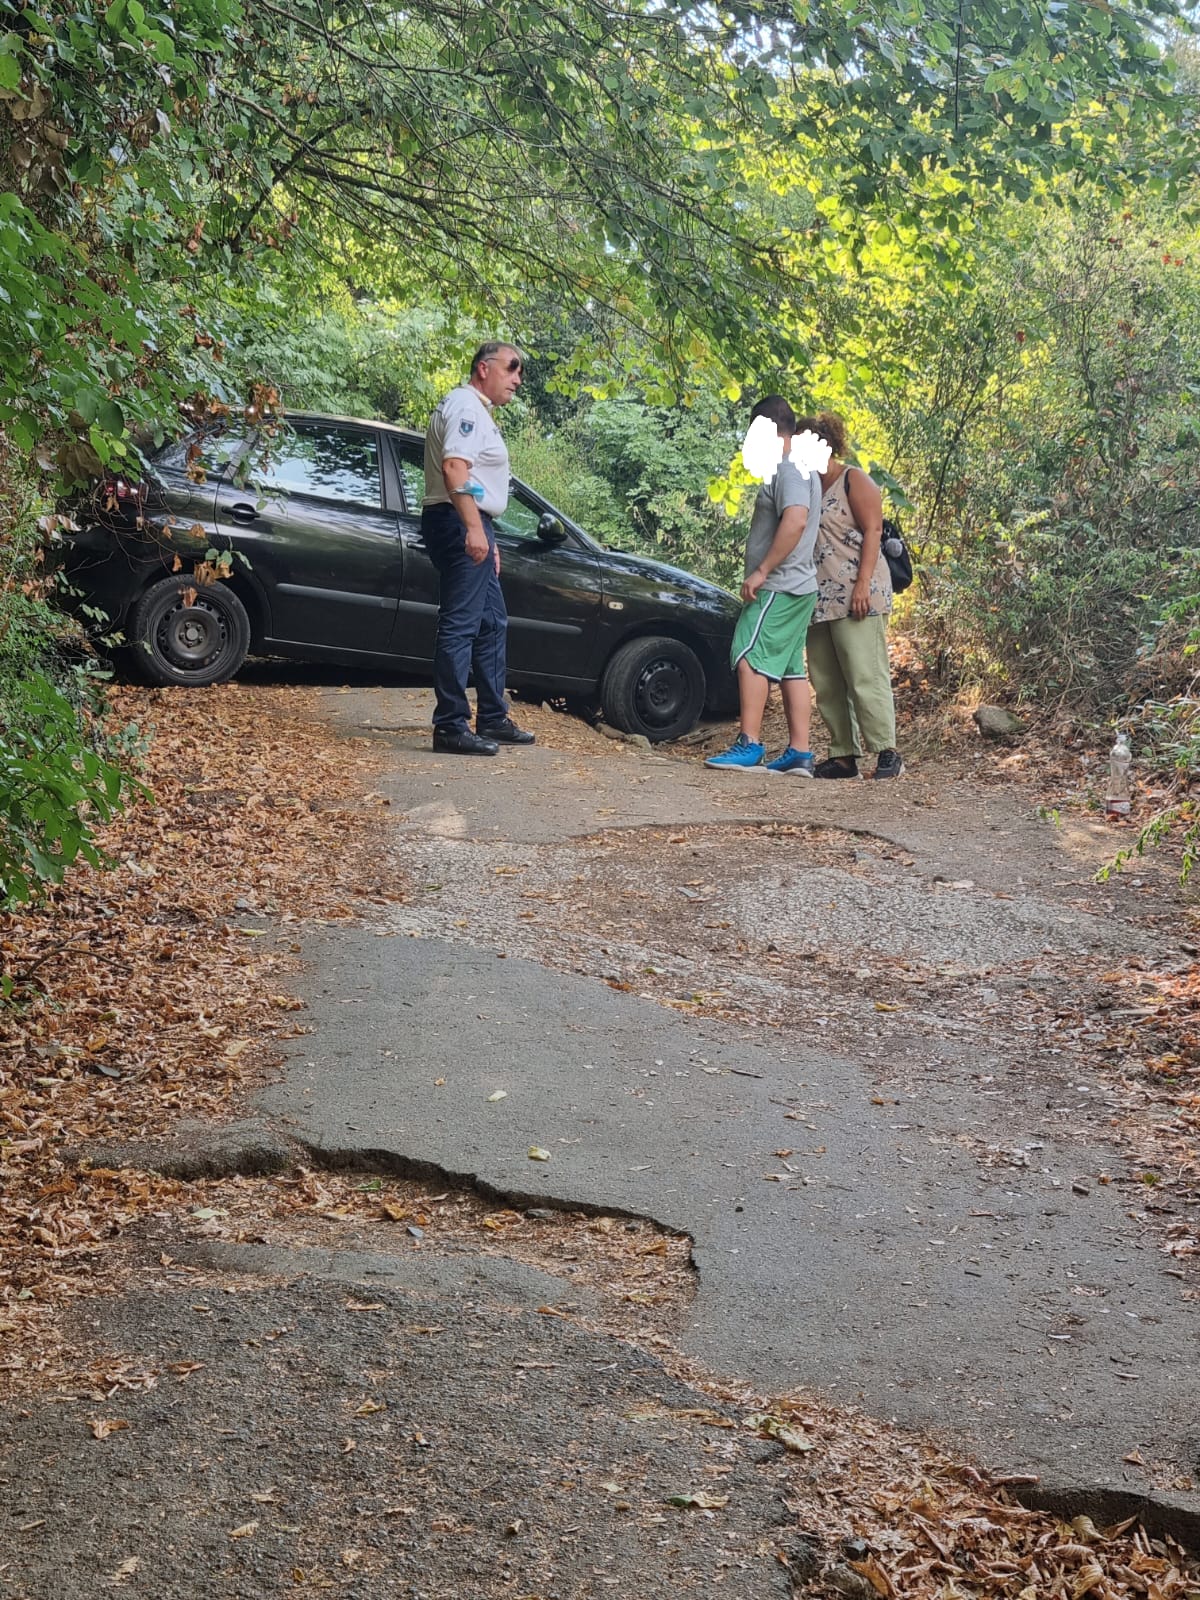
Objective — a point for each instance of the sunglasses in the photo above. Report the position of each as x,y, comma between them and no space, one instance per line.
514,364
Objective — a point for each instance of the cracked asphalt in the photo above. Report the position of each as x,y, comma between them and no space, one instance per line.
846,1235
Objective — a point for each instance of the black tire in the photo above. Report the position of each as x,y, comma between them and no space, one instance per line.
654,687
188,633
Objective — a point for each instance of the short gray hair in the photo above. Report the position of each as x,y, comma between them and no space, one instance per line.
491,348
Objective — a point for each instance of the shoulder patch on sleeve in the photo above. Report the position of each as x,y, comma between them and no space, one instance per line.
467,425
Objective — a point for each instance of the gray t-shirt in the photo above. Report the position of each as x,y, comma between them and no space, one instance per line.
797,573
463,426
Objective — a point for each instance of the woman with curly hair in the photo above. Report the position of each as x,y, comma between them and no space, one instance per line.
847,638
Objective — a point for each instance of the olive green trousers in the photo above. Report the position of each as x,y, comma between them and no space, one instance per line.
852,679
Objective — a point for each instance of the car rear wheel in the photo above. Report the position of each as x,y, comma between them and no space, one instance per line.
654,687
189,633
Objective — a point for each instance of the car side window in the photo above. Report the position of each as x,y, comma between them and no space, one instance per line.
412,475
520,517
329,462
519,520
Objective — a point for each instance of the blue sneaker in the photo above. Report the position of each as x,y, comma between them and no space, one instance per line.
742,754
798,762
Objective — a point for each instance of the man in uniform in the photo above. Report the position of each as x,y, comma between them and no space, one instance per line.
466,485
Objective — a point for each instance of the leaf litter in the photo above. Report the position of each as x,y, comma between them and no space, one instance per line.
139,998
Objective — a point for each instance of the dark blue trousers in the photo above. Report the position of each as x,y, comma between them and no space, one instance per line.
472,631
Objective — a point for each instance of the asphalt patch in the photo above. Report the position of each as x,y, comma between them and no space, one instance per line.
312,1435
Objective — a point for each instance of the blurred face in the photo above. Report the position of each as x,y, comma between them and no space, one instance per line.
763,448
499,377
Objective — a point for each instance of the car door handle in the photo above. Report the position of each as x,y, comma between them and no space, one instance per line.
241,512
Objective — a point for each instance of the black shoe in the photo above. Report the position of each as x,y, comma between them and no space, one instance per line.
835,767
506,732
462,742
889,765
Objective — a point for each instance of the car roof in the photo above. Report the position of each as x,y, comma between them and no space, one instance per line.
357,422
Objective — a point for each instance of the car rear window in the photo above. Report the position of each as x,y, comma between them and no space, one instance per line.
216,451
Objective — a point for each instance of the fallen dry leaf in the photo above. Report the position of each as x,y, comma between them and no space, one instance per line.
104,1427
699,1501
871,1570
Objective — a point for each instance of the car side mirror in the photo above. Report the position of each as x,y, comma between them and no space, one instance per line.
549,529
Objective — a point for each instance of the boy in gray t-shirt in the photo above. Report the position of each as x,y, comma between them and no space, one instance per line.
780,594
797,572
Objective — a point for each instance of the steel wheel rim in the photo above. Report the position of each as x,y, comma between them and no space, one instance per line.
661,692
189,637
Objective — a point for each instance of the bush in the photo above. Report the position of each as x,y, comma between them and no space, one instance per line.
54,789
636,478
61,773
1055,455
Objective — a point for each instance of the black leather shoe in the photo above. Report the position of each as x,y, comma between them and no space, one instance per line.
507,732
464,743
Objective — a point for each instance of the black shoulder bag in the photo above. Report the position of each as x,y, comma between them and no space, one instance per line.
895,552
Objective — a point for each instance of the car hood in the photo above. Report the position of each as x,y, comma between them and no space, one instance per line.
669,580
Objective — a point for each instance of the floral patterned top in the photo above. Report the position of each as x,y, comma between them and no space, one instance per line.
839,548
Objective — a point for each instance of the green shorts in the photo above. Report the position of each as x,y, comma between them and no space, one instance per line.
770,634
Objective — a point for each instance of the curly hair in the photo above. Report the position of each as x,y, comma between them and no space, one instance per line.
828,426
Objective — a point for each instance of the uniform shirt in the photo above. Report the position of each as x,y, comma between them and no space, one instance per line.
797,572
462,426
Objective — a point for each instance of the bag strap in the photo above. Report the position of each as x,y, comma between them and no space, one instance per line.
891,529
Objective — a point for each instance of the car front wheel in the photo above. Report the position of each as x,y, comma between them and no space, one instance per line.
188,633
654,687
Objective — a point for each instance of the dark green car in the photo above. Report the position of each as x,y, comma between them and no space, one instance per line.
328,565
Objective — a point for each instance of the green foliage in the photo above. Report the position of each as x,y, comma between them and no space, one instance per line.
1167,733
677,178
60,774
659,462
353,358
1042,415
557,465
102,145
54,790
635,477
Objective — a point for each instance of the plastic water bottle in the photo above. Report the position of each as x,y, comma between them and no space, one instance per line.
1120,760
